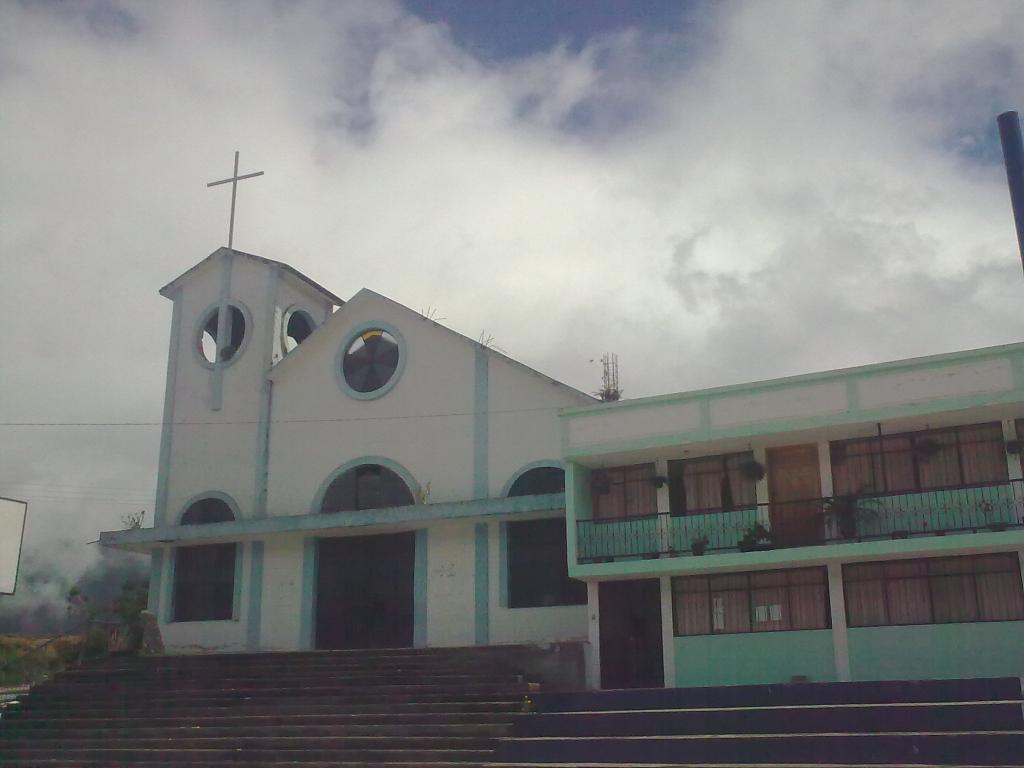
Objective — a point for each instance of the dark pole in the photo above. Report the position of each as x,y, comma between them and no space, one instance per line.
1013,156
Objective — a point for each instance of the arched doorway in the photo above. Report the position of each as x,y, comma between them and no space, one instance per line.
364,585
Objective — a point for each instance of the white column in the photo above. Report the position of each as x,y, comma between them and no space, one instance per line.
825,468
761,488
593,654
840,639
661,470
668,646
1012,460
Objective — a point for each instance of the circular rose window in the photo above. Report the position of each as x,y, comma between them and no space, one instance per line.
371,361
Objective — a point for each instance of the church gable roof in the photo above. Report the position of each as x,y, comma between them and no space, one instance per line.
364,295
188,274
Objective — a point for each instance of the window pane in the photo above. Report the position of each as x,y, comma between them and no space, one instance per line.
983,454
690,584
905,568
204,581
730,611
538,572
865,603
728,581
1000,597
953,599
809,608
938,462
769,578
808,576
950,565
692,613
898,463
862,571
1007,562
770,608
909,601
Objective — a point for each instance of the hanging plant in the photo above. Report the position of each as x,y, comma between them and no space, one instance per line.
1013,447
927,448
753,470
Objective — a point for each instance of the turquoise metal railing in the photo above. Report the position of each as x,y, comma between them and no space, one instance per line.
988,507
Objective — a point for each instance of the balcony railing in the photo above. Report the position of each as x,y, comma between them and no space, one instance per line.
835,520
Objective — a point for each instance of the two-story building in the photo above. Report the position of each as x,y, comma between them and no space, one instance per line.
352,474
858,524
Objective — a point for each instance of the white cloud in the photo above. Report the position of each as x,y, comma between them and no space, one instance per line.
789,195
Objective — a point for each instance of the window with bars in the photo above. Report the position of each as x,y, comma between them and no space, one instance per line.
619,492
940,590
711,484
760,601
920,461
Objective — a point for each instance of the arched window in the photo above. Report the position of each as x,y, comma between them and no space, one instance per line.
539,480
538,568
204,576
368,486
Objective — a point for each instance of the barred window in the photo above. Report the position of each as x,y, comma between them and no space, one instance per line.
920,461
940,590
711,484
760,601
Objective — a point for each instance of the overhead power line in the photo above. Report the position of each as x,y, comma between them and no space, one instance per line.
228,422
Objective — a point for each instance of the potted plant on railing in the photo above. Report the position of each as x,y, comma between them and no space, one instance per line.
755,538
699,543
847,512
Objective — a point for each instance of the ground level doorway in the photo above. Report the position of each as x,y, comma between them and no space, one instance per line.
631,651
364,591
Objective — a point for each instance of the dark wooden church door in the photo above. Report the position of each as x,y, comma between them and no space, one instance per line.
364,591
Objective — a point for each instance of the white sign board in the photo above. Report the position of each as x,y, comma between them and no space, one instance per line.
12,531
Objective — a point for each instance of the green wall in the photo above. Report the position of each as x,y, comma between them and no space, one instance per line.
755,657
989,649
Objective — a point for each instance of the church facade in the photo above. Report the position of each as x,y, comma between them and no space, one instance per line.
352,474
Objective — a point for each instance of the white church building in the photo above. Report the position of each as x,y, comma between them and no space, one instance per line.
352,474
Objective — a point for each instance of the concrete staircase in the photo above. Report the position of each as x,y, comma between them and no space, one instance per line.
403,707
891,723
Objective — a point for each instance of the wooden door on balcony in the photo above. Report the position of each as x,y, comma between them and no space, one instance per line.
794,488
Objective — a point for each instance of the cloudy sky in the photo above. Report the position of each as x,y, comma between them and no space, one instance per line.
717,192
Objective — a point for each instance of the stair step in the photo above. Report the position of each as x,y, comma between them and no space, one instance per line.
204,757
819,749
869,718
272,720
60,733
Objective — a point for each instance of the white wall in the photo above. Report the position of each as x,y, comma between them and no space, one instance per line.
282,593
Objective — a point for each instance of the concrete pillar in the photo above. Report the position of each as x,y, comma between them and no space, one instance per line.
1012,460
593,654
668,651
840,638
825,468
661,470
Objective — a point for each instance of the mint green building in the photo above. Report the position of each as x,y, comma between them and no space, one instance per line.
860,524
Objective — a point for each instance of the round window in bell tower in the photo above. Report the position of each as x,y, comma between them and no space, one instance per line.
208,339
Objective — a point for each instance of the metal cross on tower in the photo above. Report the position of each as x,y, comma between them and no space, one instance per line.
235,178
